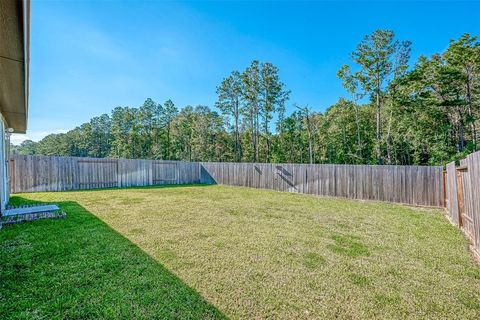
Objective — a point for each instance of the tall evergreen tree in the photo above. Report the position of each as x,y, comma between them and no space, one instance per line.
380,57
251,110
229,102
273,97
170,113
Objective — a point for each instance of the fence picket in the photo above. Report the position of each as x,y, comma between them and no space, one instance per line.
403,184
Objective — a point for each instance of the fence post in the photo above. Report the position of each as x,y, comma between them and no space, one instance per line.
461,207
119,182
12,175
444,188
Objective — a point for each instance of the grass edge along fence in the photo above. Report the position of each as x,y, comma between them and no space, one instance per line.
457,189
50,173
416,185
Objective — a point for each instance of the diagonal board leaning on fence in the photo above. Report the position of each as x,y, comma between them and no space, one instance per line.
415,185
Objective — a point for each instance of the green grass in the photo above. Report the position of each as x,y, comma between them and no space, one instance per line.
205,252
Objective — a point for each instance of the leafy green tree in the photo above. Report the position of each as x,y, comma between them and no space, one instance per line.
229,103
170,112
54,145
425,115
273,97
251,94
310,126
125,136
380,58
100,127
463,56
351,83
289,146
26,147
340,133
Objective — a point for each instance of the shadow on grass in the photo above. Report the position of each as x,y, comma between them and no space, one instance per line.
80,268
157,186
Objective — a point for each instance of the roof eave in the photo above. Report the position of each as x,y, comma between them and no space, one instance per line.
14,63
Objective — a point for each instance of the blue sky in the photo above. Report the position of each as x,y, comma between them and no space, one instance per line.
88,57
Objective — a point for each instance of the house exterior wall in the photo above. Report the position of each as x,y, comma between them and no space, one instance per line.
14,79
4,161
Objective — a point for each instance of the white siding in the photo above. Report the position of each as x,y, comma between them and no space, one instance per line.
4,179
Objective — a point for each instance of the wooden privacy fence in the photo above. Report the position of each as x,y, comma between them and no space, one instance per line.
415,185
402,184
457,189
463,197
45,173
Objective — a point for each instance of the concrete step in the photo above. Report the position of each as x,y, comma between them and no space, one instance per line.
28,210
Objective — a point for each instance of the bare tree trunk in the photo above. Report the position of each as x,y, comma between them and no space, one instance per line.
472,117
461,134
254,152
357,122
359,141
238,148
267,159
168,141
461,140
257,131
389,155
378,134
310,148
310,144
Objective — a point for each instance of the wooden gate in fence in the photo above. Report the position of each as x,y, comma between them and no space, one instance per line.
463,196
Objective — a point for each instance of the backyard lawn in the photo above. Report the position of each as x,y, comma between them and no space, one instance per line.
207,252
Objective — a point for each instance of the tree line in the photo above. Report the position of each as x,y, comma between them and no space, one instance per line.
391,114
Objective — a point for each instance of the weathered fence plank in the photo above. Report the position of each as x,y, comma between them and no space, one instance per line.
402,184
463,197
472,198
45,173
416,185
